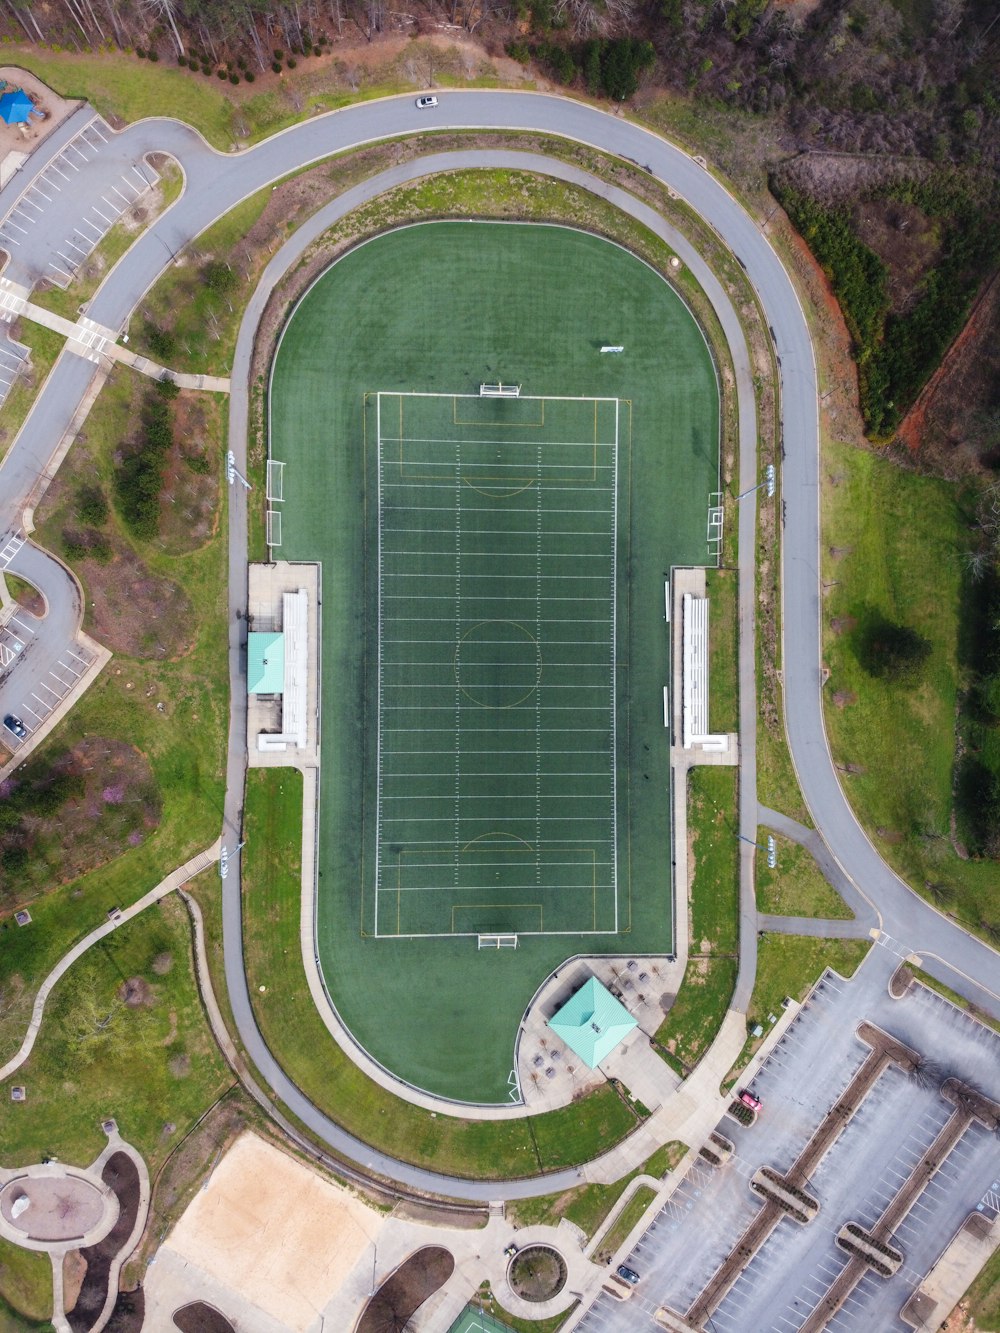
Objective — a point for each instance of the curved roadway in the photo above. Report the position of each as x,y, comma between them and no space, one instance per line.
214,183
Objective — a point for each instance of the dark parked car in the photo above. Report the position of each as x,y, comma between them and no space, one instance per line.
628,1274
15,726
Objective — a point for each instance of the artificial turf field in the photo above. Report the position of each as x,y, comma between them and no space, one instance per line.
471,561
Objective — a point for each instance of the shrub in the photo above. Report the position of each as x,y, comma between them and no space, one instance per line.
220,74
198,464
519,51
291,63
206,69
139,479
154,56
218,277
141,52
275,67
234,78
161,342
250,76
91,506
182,61
279,55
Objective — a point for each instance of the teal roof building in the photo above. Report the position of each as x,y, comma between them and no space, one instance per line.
265,663
592,1023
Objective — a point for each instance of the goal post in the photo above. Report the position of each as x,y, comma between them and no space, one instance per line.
497,941
275,480
499,390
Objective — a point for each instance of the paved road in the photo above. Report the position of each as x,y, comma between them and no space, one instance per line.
217,181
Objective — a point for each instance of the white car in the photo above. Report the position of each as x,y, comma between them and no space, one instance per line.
423,103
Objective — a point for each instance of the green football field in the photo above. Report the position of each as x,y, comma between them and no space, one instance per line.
494,649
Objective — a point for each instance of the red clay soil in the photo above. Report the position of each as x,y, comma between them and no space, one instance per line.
405,1290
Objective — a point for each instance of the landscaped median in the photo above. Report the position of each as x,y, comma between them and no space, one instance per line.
297,1036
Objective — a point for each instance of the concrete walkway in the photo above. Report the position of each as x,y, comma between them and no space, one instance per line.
89,339
59,1246
117,918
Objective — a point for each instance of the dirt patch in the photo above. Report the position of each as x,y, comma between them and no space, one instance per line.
76,811
843,624
179,1066
189,502
538,1273
163,963
844,698
955,423
905,239
28,598
74,1271
134,611
402,1294
201,1318
269,1228
136,993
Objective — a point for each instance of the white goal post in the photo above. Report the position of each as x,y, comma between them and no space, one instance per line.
500,941
275,480
274,527
499,390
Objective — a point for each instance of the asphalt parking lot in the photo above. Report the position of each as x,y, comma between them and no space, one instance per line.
855,1181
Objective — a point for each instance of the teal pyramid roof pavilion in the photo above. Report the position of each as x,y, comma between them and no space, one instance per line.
265,663
592,1023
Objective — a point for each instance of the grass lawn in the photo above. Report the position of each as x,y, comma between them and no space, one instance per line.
789,965
899,539
588,1206
628,1218
184,741
45,346
515,1322
696,1015
294,1030
796,886
777,785
147,1059
724,704
983,1297
715,885
25,1283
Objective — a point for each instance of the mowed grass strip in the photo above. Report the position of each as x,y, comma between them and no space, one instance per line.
25,1283
796,886
696,1015
627,1219
893,542
292,1028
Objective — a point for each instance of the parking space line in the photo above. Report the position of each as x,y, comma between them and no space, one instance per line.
22,230
95,209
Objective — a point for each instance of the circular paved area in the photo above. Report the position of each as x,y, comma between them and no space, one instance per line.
59,1208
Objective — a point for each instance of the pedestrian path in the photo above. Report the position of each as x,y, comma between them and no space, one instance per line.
91,340
116,918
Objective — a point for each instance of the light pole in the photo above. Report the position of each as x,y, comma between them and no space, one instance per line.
232,473
767,484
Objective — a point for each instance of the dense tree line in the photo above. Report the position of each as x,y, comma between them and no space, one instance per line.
139,478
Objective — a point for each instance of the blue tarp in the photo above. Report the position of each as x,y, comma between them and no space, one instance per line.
16,108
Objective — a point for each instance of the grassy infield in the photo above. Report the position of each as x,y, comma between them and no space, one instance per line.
894,521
